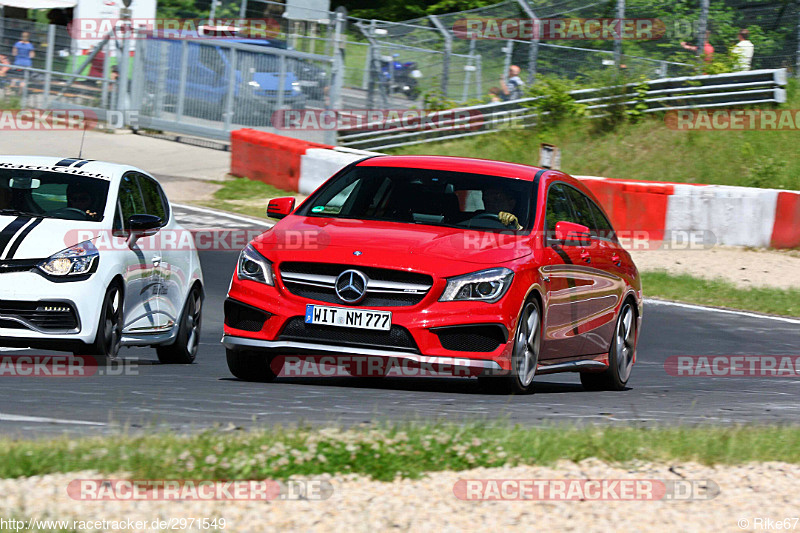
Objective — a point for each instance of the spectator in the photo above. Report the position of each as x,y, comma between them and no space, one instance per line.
23,57
708,50
5,66
744,50
23,51
512,89
495,94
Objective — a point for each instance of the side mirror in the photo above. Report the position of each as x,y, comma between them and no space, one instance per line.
279,208
143,226
572,234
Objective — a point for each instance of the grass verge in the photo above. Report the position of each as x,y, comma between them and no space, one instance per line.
720,293
245,197
384,453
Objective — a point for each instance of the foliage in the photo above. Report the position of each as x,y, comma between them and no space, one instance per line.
554,103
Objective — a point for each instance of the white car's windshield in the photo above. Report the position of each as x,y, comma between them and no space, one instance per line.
48,194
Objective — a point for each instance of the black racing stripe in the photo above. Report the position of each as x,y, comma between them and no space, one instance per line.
25,232
9,231
67,162
80,164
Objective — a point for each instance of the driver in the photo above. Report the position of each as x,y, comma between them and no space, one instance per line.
79,197
500,202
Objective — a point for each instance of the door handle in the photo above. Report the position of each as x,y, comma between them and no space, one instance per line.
585,256
616,259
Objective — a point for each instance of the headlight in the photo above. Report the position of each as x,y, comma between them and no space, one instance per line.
254,266
486,286
416,74
74,261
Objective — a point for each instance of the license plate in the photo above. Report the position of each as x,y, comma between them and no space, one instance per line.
348,318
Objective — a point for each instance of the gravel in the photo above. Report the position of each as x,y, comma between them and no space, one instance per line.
747,492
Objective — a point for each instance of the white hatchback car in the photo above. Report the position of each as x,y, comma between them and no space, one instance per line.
86,263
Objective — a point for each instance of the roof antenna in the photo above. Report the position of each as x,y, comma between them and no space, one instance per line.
83,136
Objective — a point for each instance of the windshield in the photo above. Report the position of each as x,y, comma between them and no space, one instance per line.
432,197
49,194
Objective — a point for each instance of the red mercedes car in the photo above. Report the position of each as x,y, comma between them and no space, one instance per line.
503,269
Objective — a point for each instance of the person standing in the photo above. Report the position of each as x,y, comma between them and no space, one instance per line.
708,50
744,50
23,51
512,89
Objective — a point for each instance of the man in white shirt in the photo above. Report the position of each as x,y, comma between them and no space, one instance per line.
744,50
512,89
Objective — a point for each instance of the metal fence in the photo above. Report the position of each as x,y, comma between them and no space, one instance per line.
738,89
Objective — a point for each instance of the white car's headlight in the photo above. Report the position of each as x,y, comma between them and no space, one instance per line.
486,286
254,266
74,261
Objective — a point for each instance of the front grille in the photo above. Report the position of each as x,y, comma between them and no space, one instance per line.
244,317
18,265
43,315
385,287
479,338
397,338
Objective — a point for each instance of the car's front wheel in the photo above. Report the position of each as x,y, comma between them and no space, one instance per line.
250,366
109,329
620,355
525,357
183,349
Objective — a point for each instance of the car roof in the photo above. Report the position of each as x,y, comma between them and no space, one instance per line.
77,166
457,164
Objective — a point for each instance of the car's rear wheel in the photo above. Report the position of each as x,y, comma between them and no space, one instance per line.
620,355
183,349
109,328
525,357
250,366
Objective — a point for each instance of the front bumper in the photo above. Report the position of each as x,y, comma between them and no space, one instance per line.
424,322
24,289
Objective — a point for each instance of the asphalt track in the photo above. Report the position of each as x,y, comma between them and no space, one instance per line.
187,398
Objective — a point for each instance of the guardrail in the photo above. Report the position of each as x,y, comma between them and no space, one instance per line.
755,87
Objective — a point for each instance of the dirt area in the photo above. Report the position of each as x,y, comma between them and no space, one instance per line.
181,190
744,267
724,498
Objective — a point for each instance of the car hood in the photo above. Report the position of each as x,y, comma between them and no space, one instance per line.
38,238
389,243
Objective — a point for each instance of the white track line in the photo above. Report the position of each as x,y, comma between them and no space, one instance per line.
724,311
224,214
20,418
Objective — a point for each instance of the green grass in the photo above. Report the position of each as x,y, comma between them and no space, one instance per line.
244,189
720,293
648,150
385,453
